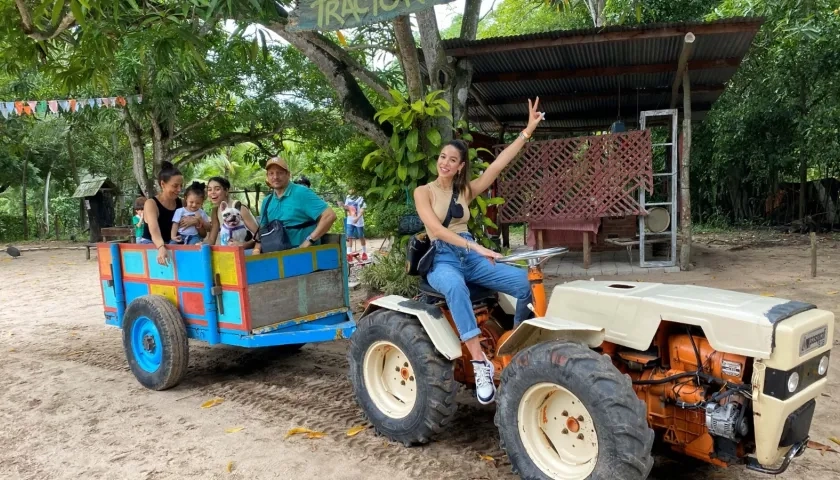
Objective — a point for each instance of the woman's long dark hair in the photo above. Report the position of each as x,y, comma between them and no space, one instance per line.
461,182
224,182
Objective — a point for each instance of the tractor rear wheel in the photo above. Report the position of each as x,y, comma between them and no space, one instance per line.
566,413
405,387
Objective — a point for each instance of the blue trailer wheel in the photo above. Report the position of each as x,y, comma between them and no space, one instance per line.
155,342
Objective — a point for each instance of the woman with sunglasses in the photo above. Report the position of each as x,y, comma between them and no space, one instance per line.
459,259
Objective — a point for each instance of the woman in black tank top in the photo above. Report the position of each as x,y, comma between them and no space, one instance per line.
164,221
162,208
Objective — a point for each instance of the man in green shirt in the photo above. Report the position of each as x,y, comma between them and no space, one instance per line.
294,204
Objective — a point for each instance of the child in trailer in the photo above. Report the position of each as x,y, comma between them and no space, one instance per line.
193,200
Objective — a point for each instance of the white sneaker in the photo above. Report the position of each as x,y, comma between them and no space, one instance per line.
485,388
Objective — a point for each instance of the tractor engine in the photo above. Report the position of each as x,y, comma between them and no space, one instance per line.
695,396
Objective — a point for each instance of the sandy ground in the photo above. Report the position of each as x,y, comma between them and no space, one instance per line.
70,408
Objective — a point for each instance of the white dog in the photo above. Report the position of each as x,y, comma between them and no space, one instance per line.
232,228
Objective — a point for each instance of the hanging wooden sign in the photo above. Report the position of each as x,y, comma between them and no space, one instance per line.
325,15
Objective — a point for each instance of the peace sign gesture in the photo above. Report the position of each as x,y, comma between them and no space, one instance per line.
534,115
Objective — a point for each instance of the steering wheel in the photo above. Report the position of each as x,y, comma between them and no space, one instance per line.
534,257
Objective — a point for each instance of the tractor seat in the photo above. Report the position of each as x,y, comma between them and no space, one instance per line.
477,292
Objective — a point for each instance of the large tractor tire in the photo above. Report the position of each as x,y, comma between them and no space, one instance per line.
155,342
405,387
566,413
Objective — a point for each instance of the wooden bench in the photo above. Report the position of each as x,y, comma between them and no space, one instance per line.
629,243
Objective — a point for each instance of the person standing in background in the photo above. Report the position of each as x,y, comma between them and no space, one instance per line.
137,220
355,207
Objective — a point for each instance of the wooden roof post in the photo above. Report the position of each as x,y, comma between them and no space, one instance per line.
685,188
682,65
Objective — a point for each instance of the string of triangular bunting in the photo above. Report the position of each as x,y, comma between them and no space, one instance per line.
42,107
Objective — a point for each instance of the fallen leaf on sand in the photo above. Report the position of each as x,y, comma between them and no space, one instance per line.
835,440
11,349
355,430
822,448
833,292
309,433
212,402
234,429
229,467
487,458
768,294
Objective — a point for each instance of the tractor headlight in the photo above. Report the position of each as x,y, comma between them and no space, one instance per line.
823,368
793,382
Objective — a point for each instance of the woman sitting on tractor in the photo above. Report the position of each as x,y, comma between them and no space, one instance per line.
459,259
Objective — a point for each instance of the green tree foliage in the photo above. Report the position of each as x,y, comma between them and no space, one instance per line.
779,119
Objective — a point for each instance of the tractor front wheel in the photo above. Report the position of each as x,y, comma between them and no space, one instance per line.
155,342
405,387
566,413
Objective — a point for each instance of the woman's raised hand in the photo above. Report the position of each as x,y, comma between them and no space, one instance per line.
534,115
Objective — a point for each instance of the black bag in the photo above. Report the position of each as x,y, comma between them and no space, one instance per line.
273,236
421,252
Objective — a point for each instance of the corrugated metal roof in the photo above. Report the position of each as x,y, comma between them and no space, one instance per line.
89,186
581,71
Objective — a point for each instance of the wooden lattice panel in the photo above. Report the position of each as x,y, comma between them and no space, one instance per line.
577,178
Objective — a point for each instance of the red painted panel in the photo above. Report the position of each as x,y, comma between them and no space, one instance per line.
193,303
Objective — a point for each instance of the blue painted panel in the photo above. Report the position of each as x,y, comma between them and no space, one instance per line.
134,290
190,266
297,264
133,263
327,333
110,298
327,259
233,310
262,270
157,271
111,319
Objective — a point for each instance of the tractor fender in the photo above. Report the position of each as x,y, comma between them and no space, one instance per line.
547,329
443,336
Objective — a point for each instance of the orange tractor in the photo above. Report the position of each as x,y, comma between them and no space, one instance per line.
601,371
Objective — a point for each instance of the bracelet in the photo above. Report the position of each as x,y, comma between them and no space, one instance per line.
525,135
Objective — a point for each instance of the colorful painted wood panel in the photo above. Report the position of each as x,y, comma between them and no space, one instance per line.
217,285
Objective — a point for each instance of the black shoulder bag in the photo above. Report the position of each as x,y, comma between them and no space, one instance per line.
421,252
272,235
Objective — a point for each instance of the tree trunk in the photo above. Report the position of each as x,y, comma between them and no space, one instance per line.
408,57
441,72
47,202
135,140
23,195
158,142
358,110
596,11
685,171
74,168
469,22
803,157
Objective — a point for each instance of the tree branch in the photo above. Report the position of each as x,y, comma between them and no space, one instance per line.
356,107
195,125
356,69
194,152
38,35
366,46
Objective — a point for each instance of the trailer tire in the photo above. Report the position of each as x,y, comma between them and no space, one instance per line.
564,411
155,342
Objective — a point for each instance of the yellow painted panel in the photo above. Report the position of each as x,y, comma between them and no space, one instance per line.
167,291
224,264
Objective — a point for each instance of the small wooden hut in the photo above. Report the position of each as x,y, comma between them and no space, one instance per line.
99,194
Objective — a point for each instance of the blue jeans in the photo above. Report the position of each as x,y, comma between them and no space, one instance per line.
186,240
453,267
